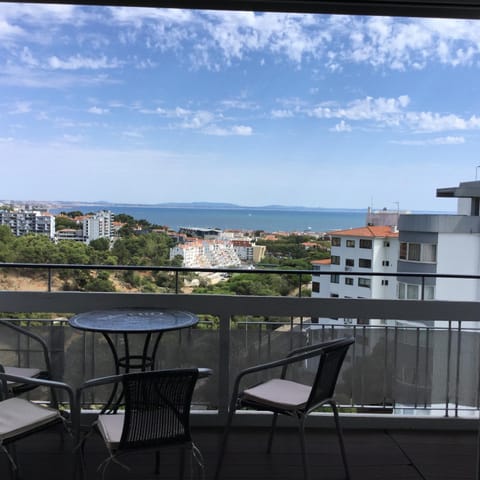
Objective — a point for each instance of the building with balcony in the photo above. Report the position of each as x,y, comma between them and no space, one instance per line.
23,222
363,250
98,225
442,244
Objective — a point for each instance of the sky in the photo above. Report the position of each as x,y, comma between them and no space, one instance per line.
137,105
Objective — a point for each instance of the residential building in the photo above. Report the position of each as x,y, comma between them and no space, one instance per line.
362,250
99,225
206,253
442,244
23,222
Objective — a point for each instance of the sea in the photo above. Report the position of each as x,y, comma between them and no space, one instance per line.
244,218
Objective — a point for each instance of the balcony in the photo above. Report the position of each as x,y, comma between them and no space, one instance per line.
409,392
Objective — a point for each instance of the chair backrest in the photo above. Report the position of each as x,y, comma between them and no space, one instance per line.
330,361
157,407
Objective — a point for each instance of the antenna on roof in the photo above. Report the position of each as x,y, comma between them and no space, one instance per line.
476,172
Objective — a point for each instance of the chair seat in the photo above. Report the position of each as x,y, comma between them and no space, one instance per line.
21,372
279,393
110,427
18,416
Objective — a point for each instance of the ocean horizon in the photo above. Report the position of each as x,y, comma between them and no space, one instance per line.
274,219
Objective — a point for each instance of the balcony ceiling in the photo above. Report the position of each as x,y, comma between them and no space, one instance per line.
468,9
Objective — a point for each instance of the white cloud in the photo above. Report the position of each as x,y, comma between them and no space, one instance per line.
20,108
78,62
98,110
236,130
72,138
342,127
435,122
282,114
449,140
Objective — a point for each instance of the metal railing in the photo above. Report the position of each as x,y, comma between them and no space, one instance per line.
410,356
177,271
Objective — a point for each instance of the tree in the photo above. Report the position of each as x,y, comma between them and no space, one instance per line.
7,240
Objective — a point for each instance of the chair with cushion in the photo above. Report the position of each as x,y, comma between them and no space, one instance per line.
20,418
156,414
44,371
285,396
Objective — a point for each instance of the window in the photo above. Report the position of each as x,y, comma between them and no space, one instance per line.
364,282
418,252
316,287
349,262
334,295
384,283
336,242
334,278
335,260
365,263
351,243
365,243
386,243
385,263
414,292
429,253
348,281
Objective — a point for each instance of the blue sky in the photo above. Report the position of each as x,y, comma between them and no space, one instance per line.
150,106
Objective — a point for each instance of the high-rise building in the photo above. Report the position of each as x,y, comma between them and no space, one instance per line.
23,222
363,250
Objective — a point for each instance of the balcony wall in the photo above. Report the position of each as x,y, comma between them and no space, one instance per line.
399,367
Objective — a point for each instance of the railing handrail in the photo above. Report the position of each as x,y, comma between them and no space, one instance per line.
260,271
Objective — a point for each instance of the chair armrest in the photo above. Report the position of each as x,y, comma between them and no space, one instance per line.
316,346
33,336
74,412
205,372
295,356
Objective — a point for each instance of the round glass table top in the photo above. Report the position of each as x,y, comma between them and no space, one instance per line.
133,320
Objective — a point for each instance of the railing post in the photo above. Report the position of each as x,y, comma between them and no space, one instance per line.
176,282
449,351
49,279
224,366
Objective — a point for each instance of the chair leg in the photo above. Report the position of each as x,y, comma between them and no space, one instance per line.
272,431
181,474
340,439
223,445
301,429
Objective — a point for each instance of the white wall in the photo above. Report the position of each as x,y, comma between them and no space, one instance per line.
458,254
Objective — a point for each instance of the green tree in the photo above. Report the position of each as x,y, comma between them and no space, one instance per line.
7,240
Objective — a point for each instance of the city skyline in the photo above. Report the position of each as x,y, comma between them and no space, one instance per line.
136,105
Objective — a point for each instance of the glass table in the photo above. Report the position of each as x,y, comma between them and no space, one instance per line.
151,322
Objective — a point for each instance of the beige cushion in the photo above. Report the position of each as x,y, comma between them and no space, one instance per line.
18,415
111,427
21,372
279,393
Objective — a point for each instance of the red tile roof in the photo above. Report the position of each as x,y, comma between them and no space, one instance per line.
325,261
369,231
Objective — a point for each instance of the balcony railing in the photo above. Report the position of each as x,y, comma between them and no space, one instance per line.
402,361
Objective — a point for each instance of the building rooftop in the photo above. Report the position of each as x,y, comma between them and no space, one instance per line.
379,231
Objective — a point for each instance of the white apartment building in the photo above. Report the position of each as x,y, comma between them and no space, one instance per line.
206,254
99,225
363,250
442,244
23,222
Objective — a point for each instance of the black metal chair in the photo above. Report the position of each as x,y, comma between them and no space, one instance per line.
17,388
287,397
156,415
20,417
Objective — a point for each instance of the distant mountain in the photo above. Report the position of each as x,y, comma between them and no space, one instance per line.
202,205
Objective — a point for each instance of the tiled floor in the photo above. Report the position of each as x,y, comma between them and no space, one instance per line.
373,454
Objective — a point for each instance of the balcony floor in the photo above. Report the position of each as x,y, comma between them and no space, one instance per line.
373,454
